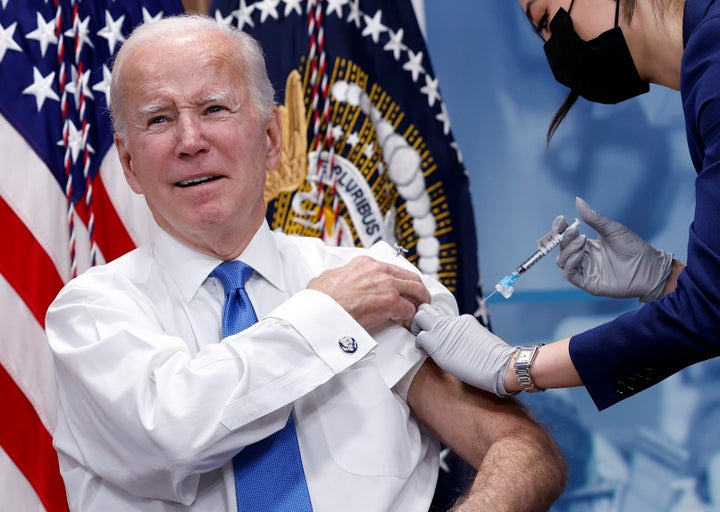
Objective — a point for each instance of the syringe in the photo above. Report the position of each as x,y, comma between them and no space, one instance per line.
546,244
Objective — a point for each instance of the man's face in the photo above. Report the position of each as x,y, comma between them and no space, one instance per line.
196,146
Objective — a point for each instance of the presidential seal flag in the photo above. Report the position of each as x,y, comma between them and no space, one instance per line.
63,206
368,150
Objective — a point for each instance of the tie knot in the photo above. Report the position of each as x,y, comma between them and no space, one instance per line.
232,274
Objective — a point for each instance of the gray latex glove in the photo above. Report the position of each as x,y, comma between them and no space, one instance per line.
618,263
461,346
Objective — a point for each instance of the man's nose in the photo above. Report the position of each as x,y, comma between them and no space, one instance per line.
191,139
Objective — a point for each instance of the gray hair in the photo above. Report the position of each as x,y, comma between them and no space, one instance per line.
249,53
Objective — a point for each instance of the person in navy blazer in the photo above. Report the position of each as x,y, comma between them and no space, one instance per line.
609,51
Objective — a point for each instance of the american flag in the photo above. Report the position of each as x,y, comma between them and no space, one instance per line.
64,206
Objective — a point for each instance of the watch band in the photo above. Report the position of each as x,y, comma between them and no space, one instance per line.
523,362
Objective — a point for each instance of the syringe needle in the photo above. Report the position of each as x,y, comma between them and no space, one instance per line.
545,245
484,299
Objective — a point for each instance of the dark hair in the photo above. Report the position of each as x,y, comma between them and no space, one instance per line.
560,114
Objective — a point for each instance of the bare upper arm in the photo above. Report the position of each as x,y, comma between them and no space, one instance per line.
519,467
464,418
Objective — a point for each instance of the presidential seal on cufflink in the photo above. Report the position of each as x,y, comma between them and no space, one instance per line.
348,344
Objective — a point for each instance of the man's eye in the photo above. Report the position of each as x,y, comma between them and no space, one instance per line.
214,108
156,120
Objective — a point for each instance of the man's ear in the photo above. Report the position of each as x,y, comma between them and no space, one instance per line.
126,162
274,140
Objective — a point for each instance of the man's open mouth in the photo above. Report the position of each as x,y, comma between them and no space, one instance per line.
197,181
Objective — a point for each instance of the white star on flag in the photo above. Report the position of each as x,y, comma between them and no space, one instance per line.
44,33
81,33
430,89
354,16
112,31
6,40
373,26
103,86
395,45
292,5
268,8
42,88
244,14
336,7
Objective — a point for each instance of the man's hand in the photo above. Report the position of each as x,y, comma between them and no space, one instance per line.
373,292
461,346
618,263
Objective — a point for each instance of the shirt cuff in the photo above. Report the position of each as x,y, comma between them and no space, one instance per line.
331,331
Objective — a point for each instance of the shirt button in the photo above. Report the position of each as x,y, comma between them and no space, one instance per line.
348,344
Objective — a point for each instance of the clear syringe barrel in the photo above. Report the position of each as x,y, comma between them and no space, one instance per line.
545,245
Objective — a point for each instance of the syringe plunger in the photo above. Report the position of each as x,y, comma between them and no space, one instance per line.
546,244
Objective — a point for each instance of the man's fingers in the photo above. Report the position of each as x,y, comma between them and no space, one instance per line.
373,291
413,291
405,294
407,284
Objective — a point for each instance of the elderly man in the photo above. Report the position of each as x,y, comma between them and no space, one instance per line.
228,367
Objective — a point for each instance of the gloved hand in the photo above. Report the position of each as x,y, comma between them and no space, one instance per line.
464,348
618,263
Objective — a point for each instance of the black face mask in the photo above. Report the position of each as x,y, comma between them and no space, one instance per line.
600,70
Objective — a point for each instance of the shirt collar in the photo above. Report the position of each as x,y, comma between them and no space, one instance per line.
190,268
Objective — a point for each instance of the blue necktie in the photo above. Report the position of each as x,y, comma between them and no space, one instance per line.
269,476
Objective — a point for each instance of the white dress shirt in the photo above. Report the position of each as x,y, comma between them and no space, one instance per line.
153,406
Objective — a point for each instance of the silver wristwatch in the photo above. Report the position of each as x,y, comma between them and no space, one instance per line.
523,362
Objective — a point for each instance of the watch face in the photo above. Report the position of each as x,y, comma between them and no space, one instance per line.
523,357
